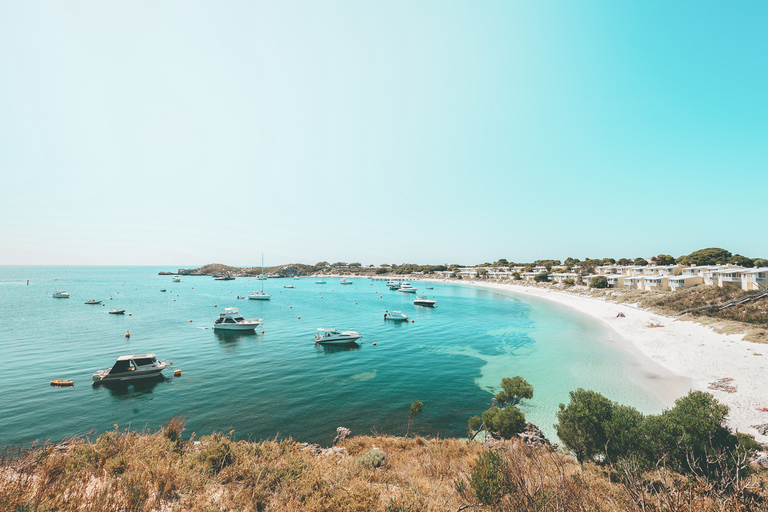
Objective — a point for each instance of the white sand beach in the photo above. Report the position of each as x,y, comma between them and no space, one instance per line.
685,348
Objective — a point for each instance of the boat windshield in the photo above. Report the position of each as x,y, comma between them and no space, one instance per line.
124,365
143,361
239,319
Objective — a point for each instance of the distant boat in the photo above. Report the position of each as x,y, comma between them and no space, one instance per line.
393,285
115,311
224,278
260,295
320,281
177,279
423,301
230,320
289,286
395,315
430,288
133,367
60,294
344,280
297,278
407,288
335,337
93,301
162,289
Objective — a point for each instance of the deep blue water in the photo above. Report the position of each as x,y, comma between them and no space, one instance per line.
451,358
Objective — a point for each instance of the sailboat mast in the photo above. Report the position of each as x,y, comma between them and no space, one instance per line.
262,272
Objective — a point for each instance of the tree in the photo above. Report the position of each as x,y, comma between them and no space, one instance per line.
581,425
710,256
609,261
415,411
321,264
482,273
516,276
624,262
761,262
501,263
640,262
339,264
663,259
738,259
506,422
512,391
599,282
622,432
355,265
381,270
541,278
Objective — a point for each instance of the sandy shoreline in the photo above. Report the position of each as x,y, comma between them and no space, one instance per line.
686,349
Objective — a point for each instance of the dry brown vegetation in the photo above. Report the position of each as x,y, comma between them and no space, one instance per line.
122,470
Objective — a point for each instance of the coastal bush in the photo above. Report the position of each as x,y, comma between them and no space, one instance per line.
372,459
506,422
541,278
622,432
412,413
516,276
487,479
709,256
599,282
581,424
569,281
217,453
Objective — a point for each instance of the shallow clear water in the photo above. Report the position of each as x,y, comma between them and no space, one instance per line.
451,358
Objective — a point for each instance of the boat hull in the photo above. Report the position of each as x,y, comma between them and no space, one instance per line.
259,297
125,377
344,341
236,327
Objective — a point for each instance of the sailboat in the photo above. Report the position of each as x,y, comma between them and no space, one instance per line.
260,295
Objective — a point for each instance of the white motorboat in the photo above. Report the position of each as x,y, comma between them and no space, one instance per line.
240,297
231,320
224,278
133,367
395,315
289,286
407,288
393,285
423,301
93,301
344,280
336,337
115,311
262,277
162,289
430,287
176,279
260,295
297,278
320,281
60,294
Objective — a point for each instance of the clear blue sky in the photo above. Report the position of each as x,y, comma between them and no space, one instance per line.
183,133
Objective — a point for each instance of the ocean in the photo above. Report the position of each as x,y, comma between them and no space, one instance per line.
279,383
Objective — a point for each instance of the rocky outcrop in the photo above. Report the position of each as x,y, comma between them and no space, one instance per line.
535,437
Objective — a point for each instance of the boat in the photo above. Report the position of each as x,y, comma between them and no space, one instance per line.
62,383
423,301
289,286
93,301
344,280
430,287
132,367
395,315
320,281
224,278
336,337
240,297
231,320
407,288
297,278
262,277
393,285
60,294
115,311
176,279
260,295
162,289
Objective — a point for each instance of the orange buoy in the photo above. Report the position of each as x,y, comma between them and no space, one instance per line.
190,320
413,321
215,306
374,343
62,383
299,318
128,335
176,372
262,331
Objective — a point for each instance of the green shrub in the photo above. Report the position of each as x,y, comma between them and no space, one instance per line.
487,478
217,454
541,278
513,390
581,425
569,281
506,422
372,459
599,282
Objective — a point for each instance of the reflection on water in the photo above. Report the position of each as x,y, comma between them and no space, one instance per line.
132,389
332,349
226,337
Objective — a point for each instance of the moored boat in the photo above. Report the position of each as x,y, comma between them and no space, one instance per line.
132,367
289,286
92,301
423,301
115,311
60,294
176,279
320,281
395,315
336,337
407,288
231,320
344,280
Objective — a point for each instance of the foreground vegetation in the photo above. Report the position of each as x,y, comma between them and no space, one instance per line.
123,470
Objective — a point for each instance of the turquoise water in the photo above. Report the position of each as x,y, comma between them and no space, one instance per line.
279,383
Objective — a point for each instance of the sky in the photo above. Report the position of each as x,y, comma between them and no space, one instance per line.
182,133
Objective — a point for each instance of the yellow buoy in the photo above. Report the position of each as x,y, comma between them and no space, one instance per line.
62,383
177,372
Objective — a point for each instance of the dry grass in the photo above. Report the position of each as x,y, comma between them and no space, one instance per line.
159,471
